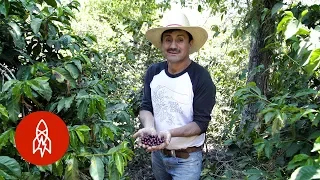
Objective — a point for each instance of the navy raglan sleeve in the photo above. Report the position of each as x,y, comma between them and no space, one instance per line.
204,100
146,103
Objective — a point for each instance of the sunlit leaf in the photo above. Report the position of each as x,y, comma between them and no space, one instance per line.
8,84
305,172
3,115
298,160
313,61
316,145
80,136
35,25
96,168
292,28
83,128
119,163
5,137
17,36
284,21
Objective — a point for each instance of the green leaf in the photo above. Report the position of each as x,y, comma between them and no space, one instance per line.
113,172
17,36
60,105
199,8
83,128
303,13
113,150
5,137
65,103
119,163
107,131
303,31
293,149
31,175
4,7
13,105
269,116
305,92
276,8
96,168
73,140
73,70
47,168
52,3
35,25
80,135
41,86
277,123
314,135
82,108
27,91
68,102
297,160
316,145
61,74
313,61
9,84
72,169
92,107
267,149
3,115
284,21
305,172
57,168
292,28
9,168
78,64
316,120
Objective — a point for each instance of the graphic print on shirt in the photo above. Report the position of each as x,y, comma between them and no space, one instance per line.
166,104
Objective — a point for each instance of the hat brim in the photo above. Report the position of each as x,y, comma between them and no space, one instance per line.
199,35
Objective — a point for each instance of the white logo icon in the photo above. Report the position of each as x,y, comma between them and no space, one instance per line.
42,141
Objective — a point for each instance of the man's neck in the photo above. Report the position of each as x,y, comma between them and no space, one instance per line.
175,68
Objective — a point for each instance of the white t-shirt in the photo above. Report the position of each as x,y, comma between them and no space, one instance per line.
176,100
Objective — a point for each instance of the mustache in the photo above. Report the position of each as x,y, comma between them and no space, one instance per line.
173,50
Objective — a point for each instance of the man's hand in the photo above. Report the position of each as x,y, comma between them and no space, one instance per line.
166,135
144,132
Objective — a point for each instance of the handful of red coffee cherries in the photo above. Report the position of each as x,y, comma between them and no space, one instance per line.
152,140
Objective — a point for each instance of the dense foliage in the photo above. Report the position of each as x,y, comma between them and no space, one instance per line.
47,66
86,64
283,142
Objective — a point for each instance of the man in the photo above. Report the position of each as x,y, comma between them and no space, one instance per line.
178,98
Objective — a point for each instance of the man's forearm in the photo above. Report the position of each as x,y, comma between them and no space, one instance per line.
146,119
191,129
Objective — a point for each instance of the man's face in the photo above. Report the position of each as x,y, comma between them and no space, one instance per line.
176,46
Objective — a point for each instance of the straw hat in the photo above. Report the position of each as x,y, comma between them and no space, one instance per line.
178,20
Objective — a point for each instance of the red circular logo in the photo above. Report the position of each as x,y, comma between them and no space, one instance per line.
42,138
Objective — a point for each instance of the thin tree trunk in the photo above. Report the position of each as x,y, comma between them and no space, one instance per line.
257,57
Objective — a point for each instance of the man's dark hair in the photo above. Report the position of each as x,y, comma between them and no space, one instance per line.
171,30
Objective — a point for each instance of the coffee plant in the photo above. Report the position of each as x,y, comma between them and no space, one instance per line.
45,65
